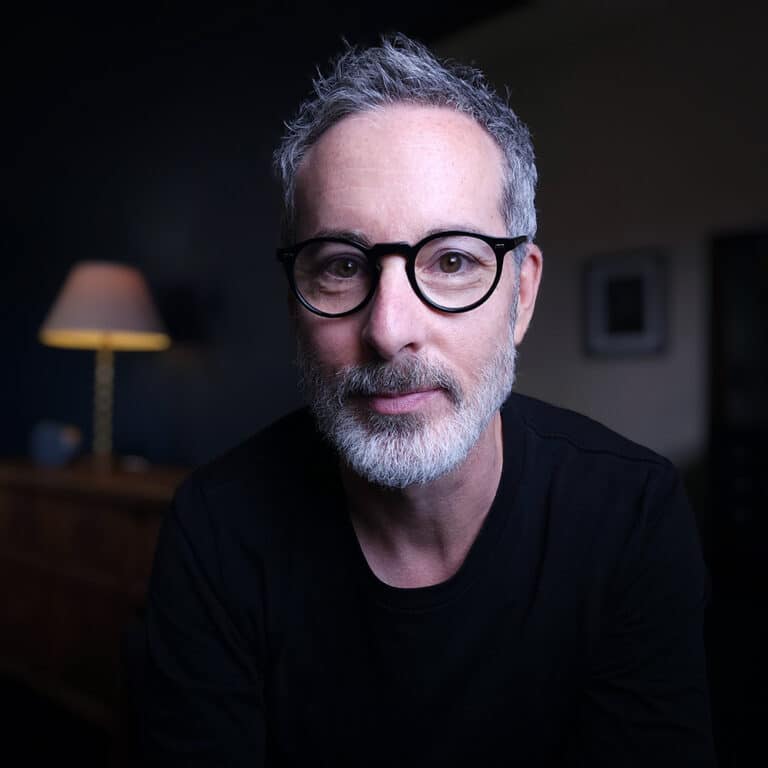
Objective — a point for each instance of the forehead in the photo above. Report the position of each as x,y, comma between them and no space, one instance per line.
401,170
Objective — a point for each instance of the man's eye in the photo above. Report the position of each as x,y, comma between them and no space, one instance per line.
451,262
345,268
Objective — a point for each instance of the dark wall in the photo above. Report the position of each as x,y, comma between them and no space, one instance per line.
146,138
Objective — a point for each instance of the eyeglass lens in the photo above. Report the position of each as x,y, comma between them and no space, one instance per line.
453,272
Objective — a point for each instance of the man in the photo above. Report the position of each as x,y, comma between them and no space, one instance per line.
426,570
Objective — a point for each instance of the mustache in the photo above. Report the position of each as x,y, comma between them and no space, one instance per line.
393,378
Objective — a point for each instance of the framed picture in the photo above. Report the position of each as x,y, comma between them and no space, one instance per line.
624,299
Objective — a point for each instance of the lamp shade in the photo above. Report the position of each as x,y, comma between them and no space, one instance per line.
103,305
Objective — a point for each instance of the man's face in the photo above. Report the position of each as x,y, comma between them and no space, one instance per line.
404,390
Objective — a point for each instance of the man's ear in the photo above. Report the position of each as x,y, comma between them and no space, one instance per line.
528,288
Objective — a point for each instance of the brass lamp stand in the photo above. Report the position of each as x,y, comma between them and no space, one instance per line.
103,389
105,307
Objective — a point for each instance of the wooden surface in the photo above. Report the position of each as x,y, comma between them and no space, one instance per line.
76,548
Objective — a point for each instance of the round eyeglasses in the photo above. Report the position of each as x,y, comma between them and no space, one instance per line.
451,271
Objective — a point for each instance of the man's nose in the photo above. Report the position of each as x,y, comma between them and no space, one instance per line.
396,320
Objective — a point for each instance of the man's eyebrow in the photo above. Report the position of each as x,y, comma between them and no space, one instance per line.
451,228
358,237
353,235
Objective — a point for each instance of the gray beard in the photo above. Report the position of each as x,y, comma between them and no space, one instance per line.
395,451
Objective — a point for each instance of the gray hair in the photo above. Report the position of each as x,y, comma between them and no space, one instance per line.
401,70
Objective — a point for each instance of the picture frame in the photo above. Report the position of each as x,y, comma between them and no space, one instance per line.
624,303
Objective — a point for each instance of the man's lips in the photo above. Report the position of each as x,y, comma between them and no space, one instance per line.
400,402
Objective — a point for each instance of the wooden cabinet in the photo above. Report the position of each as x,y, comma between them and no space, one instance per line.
76,549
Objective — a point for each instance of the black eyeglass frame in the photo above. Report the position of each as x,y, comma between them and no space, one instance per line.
500,245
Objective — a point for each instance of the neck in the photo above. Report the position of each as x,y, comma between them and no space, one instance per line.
420,535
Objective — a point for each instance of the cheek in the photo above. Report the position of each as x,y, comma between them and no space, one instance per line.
475,350
469,347
505,290
493,320
332,342
491,331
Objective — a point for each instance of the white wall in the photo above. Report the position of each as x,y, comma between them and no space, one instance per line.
650,125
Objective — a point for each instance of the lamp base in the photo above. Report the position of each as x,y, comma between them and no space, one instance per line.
99,462
103,386
112,463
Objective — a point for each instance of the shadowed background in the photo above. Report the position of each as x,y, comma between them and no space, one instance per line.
145,137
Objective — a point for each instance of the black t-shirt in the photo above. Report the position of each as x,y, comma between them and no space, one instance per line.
570,635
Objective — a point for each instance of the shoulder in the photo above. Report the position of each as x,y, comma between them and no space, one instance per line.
266,478
592,484
279,445
255,512
588,476
571,434
597,498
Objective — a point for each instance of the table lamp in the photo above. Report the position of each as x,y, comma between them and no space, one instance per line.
106,307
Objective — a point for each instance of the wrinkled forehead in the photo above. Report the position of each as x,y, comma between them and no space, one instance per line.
401,167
